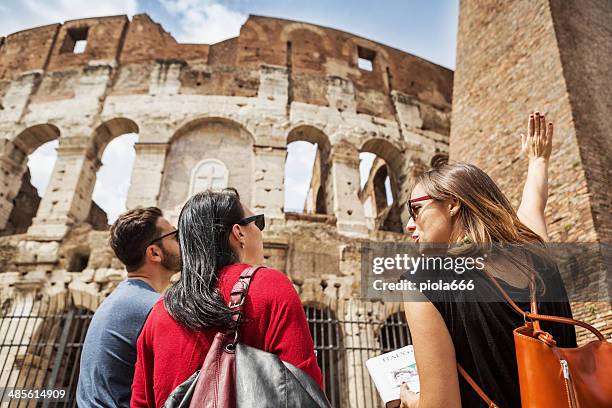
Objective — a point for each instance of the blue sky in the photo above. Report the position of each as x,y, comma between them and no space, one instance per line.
424,28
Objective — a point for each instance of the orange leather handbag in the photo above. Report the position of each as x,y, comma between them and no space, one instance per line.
556,377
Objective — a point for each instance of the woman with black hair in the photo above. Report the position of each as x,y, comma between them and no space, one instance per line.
219,238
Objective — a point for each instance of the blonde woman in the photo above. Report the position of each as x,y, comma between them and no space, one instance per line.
460,203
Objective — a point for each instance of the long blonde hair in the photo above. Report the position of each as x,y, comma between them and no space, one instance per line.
485,213
489,222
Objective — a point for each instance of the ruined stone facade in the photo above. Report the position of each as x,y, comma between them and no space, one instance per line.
219,114
553,56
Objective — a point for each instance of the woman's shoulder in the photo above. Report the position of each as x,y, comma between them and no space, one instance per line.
272,287
271,280
264,275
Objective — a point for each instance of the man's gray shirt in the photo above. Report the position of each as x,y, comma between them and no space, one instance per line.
109,352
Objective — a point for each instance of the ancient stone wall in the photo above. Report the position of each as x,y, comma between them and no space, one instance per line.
229,108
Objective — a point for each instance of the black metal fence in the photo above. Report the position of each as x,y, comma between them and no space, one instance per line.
41,340
40,348
344,339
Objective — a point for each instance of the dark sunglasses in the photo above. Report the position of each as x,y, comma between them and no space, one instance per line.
259,220
162,237
411,211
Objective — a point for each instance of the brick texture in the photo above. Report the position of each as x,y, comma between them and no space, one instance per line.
516,57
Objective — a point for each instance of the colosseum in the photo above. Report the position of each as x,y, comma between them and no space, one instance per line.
223,115
211,115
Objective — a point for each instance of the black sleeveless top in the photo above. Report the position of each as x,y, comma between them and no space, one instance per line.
482,332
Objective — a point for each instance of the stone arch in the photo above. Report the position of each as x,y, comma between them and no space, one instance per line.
388,151
200,139
109,130
387,218
35,136
319,194
290,28
190,124
104,134
19,200
69,196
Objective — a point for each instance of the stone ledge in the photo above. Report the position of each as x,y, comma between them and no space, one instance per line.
323,218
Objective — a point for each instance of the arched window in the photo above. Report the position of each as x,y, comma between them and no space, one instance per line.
307,167
208,174
380,167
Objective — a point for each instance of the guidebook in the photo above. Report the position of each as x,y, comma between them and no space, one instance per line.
390,370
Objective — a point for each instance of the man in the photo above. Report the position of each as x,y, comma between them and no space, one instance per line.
147,244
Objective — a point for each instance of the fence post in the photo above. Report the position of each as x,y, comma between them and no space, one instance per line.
60,352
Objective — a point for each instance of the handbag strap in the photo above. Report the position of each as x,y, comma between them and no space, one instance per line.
533,316
238,297
476,388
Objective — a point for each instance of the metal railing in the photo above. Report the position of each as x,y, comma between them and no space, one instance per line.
344,339
40,347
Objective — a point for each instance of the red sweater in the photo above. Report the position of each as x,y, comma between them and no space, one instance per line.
169,353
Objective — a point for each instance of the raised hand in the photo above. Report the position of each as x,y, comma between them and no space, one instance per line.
538,141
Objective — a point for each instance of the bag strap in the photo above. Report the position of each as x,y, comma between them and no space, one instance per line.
238,297
476,388
533,317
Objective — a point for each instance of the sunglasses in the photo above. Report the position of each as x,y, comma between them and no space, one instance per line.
162,237
259,220
411,210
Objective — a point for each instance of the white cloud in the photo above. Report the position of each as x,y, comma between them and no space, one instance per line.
113,179
21,15
204,21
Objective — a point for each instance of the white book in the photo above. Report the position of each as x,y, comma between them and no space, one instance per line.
390,370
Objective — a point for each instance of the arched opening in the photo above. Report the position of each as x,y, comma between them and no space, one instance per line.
379,171
306,171
113,181
326,336
207,153
33,157
114,142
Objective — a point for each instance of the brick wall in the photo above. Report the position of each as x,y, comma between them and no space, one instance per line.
26,50
514,57
312,53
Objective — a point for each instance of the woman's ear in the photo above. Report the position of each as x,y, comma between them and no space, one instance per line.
237,233
454,206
